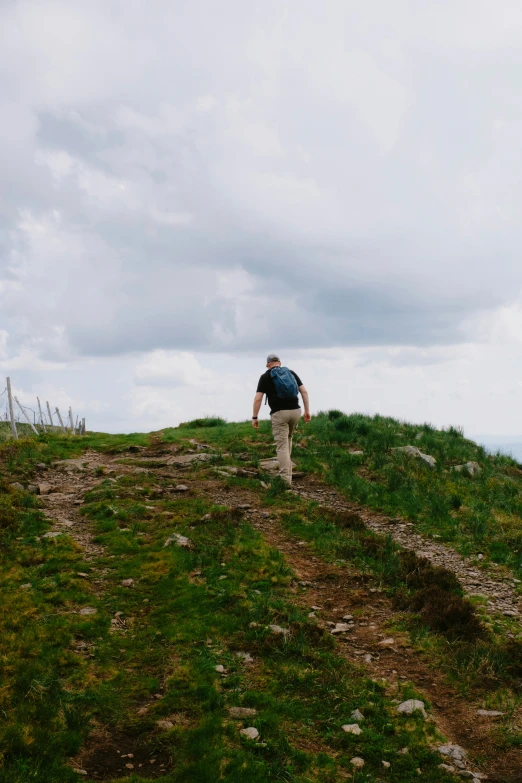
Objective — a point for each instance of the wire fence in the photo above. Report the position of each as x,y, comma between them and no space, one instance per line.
40,419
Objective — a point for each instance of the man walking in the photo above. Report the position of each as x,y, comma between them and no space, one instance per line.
281,387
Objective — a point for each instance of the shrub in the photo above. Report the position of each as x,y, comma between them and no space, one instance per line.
346,519
335,414
447,613
207,421
419,573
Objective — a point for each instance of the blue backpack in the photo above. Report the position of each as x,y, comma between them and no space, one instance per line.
285,383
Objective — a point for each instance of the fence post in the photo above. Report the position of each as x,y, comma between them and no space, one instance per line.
71,420
30,423
50,415
11,412
83,427
42,422
60,420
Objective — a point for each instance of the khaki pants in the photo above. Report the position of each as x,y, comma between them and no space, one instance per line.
283,426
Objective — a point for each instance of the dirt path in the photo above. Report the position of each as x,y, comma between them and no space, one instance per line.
500,592
337,591
331,593
65,486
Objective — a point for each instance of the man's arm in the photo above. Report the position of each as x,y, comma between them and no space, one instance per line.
258,399
306,403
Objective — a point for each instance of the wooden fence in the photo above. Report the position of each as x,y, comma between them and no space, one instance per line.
38,421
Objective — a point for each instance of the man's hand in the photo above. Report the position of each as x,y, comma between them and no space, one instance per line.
258,399
307,416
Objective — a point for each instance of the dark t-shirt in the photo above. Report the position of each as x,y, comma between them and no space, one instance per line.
266,386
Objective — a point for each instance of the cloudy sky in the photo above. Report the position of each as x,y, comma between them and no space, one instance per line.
186,186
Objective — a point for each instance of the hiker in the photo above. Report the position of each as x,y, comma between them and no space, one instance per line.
281,387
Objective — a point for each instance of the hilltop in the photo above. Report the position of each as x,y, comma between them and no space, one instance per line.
172,613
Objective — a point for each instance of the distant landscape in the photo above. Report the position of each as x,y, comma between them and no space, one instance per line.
507,446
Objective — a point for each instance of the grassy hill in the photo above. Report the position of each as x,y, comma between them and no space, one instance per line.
138,680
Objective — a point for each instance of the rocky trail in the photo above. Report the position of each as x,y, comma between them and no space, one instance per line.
341,600
499,590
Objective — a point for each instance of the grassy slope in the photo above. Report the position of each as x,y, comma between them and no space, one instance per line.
477,515
182,624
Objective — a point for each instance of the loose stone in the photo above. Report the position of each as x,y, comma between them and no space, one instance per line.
251,733
277,629
341,628
181,541
454,752
164,725
352,728
410,706
357,762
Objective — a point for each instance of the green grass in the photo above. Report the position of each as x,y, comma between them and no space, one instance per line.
476,515
69,681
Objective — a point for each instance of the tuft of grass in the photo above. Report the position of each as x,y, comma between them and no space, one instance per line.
208,421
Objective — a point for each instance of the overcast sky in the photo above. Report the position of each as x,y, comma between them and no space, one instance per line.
186,186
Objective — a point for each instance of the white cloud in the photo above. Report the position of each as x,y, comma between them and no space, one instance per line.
338,179
170,368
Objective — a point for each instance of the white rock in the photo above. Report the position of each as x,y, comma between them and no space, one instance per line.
179,540
357,762
387,642
277,629
127,582
454,752
447,767
164,725
220,668
251,733
88,610
52,534
415,452
26,586
490,713
341,628
352,728
357,715
410,706
471,468
245,657
181,488
386,764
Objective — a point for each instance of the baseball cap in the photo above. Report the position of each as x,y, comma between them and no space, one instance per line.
272,357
